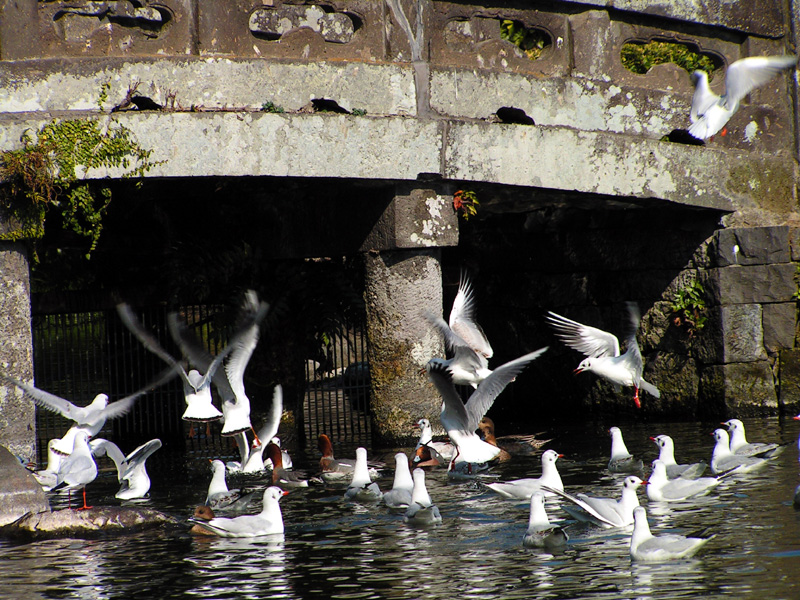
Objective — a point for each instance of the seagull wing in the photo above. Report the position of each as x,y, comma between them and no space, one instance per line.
748,73
51,402
124,405
633,356
148,340
245,342
270,426
462,319
583,338
453,410
603,516
490,388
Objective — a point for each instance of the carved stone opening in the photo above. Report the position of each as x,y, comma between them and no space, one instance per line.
78,23
639,56
333,26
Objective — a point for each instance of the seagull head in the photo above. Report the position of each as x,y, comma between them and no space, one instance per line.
100,401
586,365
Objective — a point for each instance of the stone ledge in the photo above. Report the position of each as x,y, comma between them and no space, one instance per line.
237,144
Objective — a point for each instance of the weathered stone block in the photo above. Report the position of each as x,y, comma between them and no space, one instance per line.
421,218
738,389
751,284
789,381
733,334
750,246
19,491
780,325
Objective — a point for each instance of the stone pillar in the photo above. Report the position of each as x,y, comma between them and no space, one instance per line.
751,285
17,413
403,279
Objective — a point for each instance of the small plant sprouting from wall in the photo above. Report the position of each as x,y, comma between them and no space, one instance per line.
271,107
465,202
689,307
46,174
640,58
531,41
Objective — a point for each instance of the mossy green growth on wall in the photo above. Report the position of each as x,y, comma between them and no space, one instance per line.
641,57
689,307
47,173
531,41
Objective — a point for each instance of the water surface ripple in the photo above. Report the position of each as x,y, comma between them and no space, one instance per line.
334,549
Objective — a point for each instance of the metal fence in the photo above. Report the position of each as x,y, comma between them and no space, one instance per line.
337,392
79,353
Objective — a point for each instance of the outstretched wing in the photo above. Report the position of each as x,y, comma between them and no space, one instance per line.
588,340
490,388
50,401
462,319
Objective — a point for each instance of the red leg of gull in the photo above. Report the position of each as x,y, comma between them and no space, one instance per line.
84,507
636,398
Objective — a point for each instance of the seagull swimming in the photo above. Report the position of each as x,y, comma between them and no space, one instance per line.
362,488
645,547
723,460
661,488
710,112
621,460
422,510
741,447
402,486
461,420
541,533
605,512
666,455
602,351
524,488
268,522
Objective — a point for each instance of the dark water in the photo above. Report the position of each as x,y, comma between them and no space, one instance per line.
334,549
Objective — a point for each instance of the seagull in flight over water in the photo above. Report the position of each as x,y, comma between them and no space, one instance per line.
602,351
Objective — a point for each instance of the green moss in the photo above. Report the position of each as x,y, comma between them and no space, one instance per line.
47,173
531,41
641,57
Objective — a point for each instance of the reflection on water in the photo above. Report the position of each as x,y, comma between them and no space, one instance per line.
334,549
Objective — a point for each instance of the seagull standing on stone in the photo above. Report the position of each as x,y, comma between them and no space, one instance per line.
461,420
603,354
710,112
78,469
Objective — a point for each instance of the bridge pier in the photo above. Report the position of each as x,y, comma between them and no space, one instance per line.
403,280
17,413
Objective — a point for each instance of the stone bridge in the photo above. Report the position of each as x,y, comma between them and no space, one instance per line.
421,98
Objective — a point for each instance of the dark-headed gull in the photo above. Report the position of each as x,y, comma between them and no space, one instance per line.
131,471
602,351
229,381
666,455
723,460
400,494
461,420
524,488
605,512
78,469
621,460
362,488
422,511
445,450
541,533
268,522
661,488
89,418
645,547
710,112
739,444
